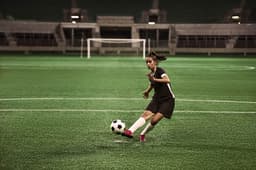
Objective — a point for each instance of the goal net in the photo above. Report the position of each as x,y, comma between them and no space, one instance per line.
117,46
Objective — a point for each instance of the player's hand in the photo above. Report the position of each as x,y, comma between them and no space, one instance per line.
145,94
151,77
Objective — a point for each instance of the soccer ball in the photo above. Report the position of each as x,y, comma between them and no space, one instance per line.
117,126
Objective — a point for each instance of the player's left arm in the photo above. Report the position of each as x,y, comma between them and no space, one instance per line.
164,79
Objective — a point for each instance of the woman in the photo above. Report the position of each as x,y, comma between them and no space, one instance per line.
163,101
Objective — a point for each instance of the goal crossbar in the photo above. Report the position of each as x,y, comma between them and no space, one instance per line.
114,40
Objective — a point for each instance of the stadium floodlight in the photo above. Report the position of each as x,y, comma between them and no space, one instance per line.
133,42
235,17
75,17
151,23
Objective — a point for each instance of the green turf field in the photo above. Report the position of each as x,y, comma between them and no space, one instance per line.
55,113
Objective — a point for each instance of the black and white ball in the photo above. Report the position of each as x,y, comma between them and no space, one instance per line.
117,126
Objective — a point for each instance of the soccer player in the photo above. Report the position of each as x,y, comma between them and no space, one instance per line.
163,100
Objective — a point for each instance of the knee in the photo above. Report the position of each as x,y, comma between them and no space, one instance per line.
154,122
156,118
147,115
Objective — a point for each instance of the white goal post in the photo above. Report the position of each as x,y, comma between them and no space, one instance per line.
115,40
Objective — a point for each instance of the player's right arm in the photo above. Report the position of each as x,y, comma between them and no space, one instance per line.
147,91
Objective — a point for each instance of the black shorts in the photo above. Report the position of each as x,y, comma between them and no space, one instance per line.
164,107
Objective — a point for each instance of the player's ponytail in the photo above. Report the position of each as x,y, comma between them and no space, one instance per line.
161,57
156,56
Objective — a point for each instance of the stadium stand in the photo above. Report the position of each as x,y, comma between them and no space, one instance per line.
30,36
169,38
3,39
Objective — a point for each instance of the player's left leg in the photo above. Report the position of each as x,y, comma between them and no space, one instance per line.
154,120
137,124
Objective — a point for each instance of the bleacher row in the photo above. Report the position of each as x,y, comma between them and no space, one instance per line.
170,38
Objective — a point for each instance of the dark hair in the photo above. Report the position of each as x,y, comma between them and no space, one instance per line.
156,56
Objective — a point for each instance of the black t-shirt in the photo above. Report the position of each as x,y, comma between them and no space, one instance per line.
162,90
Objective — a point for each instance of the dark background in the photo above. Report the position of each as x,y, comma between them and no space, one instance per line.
181,11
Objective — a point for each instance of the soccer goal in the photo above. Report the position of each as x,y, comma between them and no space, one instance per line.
118,45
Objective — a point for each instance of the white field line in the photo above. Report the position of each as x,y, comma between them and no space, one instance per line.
67,98
119,99
217,101
67,110
124,111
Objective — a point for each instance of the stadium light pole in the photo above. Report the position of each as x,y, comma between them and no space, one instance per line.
82,47
149,45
